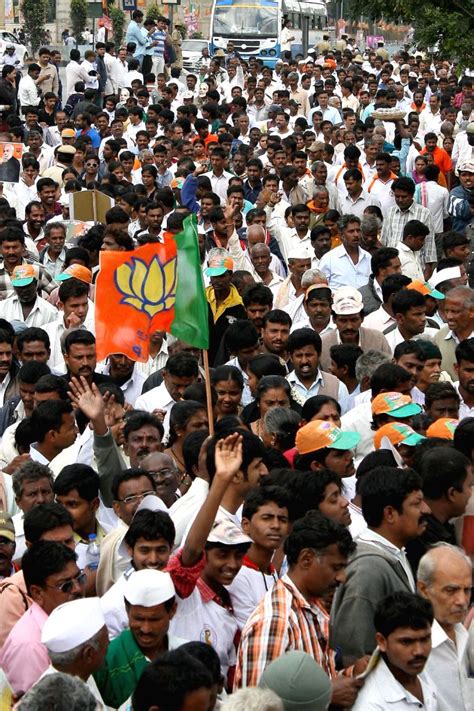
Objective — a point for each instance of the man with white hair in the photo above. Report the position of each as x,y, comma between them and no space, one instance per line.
295,309
445,579
76,638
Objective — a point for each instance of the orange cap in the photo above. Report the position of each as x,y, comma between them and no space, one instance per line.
397,433
444,428
319,434
395,404
76,271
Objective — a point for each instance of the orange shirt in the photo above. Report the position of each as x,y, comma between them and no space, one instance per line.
441,159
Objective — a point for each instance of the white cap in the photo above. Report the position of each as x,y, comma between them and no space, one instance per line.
346,301
227,533
151,503
188,95
148,588
72,624
444,275
300,252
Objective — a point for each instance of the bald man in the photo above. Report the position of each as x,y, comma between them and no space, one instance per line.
261,259
445,579
166,475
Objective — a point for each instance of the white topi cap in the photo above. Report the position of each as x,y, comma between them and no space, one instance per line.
148,588
72,624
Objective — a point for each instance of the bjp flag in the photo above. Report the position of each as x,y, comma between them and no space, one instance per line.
157,287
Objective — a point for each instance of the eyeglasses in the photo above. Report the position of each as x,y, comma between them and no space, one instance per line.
68,585
136,497
166,473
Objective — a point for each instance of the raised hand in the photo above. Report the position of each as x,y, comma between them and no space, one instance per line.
86,398
228,456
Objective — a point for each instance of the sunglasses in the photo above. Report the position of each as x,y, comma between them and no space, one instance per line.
68,585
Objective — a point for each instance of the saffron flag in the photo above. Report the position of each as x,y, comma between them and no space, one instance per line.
157,287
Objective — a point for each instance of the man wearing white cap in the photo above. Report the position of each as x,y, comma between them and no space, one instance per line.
347,264
150,603
76,639
299,262
348,316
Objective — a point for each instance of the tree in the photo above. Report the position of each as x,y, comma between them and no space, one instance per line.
118,22
34,15
78,18
440,25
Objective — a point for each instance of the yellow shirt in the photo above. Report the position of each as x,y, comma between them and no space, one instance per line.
233,299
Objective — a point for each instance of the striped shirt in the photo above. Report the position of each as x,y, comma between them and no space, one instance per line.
284,620
392,230
160,37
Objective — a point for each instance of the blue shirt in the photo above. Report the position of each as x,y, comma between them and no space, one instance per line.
159,36
94,136
341,270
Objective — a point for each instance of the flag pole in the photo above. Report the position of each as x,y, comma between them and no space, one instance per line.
210,414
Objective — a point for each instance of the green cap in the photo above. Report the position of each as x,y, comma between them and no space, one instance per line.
299,682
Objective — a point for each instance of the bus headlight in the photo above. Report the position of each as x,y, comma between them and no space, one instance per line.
272,53
263,52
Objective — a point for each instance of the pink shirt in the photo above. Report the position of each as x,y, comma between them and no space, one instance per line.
24,658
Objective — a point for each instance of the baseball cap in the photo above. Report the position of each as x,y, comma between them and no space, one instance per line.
299,682
425,288
66,149
315,287
7,529
319,434
470,127
24,274
227,533
219,264
68,133
395,405
346,301
317,146
465,166
274,107
444,428
76,271
397,433
188,95
148,588
10,46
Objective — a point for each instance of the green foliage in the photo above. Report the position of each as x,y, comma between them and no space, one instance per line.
443,25
78,18
34,14
154,12
118,21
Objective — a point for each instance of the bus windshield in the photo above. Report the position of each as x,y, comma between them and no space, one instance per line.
246,21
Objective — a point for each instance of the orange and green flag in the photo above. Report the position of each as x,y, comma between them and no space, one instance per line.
157,287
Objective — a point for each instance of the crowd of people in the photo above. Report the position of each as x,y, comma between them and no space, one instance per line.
299,535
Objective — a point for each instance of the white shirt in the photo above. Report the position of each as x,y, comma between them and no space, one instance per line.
306,393
220,184
359,420
379,319
437,198
382,692
341,270
132,388
74,72
157,399
410,261
113,605
27,92
247,589
448,668
55,330
464,409
154,363
349,206
42,312
18,520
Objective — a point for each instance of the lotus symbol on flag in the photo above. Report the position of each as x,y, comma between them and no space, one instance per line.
150,288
